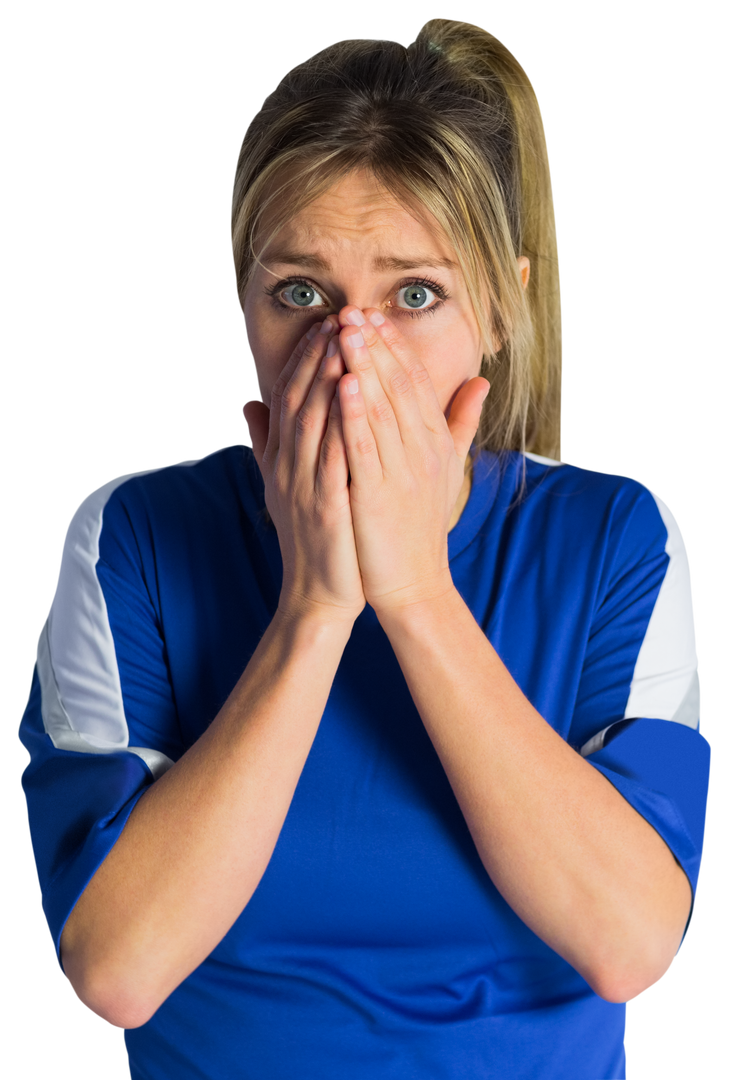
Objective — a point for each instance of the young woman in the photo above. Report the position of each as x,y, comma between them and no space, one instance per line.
374,751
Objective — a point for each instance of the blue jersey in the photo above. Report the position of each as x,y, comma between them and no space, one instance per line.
375,945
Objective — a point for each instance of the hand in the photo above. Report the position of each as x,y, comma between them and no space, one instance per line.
300,451
406,462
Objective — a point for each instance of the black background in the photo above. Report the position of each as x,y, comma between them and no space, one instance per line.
131,351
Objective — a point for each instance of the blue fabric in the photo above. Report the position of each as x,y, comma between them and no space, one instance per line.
376,943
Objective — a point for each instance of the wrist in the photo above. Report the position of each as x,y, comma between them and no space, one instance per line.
425,602
294,608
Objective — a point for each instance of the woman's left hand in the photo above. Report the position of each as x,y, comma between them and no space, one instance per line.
406,462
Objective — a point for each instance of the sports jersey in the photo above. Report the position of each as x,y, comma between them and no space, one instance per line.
375,945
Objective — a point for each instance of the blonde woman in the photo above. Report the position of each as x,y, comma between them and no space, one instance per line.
374,751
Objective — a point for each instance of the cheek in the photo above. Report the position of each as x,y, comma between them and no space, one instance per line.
271,342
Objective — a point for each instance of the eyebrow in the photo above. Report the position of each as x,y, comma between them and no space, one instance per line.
382,262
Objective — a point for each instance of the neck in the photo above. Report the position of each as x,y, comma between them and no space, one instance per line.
463,493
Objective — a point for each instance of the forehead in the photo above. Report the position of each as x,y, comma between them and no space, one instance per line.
357,216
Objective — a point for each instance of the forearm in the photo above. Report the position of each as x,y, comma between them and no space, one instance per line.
198,841
569,854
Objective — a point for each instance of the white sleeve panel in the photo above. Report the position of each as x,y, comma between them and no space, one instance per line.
665,684
82,704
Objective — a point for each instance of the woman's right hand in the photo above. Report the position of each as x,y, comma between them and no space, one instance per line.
300,451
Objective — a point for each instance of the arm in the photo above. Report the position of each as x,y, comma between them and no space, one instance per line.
198,842
571,856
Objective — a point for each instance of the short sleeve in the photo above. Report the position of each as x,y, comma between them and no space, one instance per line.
637,713
101,724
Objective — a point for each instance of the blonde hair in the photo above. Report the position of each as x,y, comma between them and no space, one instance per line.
453,123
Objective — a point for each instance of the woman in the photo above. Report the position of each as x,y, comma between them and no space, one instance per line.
375,751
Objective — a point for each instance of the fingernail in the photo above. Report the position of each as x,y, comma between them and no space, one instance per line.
326,327
333,346
353,386
356,341
376,319
356,318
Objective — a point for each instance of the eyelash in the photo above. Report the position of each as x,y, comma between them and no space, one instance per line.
440,292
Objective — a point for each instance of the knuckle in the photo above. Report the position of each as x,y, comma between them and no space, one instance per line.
305,421
289,398
331,451
418,374
364,445
365,366
310,350
399,383
381,411
284,380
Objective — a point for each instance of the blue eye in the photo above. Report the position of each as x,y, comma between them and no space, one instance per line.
301,295
415,296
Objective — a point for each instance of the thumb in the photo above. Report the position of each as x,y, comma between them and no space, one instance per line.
465,414
256,415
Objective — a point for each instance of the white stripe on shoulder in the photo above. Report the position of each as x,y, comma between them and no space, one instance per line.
81,697
665,683
542,460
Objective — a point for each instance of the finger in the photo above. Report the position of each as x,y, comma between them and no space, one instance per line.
462,424
278,388
359,440
334,473
381,416
313,416
291,388
393,342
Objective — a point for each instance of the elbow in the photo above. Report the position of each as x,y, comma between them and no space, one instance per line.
618,984
122,993
621,968
118,1007
115,1004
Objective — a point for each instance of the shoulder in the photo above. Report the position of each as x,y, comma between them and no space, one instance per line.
170,492
631,521
616,496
